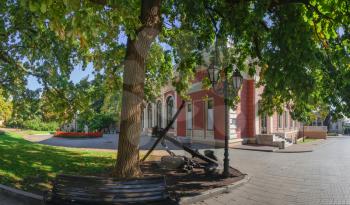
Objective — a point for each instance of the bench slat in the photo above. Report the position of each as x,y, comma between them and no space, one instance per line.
117,198
94,187
113,193
110,195
98,190
147,180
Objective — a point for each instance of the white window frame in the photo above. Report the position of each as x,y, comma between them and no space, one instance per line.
210,115
280,121
168,117
189,116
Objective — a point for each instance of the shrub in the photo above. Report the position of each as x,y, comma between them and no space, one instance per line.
34,124
332,134
97,122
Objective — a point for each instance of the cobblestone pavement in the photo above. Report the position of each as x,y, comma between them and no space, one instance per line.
4,200
319,177
108,141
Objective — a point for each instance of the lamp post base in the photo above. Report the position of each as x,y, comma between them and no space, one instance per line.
226,172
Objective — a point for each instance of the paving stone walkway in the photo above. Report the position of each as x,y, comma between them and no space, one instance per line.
107,142
4,200
302,147
318,177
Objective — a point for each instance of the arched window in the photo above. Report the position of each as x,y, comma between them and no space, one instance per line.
159,114
149,115
169,109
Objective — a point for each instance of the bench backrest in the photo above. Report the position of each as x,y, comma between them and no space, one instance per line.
99,190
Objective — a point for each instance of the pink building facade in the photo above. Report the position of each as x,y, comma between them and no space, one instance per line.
202,119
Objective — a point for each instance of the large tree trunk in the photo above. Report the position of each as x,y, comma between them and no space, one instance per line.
133,90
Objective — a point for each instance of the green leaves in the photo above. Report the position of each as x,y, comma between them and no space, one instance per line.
33,6
5,107
43,7
303,47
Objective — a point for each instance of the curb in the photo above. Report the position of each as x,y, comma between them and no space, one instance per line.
256,150
300,151
24,198
213,192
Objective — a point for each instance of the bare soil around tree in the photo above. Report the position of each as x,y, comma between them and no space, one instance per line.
183,184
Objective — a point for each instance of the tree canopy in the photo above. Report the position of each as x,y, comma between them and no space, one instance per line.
301,45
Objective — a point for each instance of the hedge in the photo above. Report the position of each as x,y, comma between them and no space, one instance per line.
78,134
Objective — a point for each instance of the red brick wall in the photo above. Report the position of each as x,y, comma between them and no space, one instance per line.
219,117
246,110
250,108
242,112
198,111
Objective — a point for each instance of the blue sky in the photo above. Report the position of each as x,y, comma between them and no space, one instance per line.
77,75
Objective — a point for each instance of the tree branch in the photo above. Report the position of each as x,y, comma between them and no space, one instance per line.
7,59
315,9
211,17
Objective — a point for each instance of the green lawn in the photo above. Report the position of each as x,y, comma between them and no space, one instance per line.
29,166
307,140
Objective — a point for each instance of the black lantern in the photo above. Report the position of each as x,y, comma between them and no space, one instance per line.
237,79
213,73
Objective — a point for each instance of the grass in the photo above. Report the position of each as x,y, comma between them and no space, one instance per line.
307,140
28,166
35,132
332,134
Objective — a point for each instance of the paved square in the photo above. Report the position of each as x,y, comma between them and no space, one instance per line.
318,177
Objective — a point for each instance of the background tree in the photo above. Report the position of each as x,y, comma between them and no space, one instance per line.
26,106
5,107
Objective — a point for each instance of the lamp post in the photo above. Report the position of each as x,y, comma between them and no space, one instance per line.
213,73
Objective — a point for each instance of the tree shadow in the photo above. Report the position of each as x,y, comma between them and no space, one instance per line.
31,167
182,184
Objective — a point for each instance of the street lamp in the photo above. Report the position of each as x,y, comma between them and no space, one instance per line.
213,73
237,80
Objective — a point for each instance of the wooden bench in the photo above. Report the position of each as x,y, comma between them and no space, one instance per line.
69,189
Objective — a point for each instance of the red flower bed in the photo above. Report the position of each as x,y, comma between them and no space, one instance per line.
78,134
